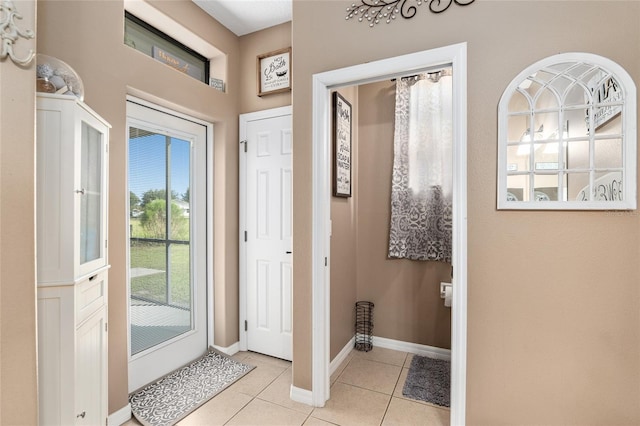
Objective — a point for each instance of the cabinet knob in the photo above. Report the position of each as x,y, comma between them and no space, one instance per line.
81,415
80,191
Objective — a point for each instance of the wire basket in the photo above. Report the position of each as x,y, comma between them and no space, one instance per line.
364,326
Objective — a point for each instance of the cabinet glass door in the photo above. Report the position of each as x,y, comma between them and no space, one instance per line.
91,187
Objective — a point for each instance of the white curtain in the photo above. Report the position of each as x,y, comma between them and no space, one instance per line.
421,193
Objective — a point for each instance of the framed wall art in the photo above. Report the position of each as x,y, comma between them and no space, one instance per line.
341,118
274,72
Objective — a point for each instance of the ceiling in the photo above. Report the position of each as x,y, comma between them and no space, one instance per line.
247,16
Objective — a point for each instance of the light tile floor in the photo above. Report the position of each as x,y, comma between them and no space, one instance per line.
365,390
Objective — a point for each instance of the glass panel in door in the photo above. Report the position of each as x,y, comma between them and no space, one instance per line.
160,255
91,194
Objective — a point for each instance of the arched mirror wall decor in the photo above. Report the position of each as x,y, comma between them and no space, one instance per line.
567,136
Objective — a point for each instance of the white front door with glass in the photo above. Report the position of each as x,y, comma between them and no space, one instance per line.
167,242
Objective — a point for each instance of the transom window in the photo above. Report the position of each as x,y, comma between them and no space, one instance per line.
149,40
567,136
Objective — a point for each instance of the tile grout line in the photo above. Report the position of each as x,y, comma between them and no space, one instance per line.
238,412
394,388
367,358
309,415
262,390
366,389
372,390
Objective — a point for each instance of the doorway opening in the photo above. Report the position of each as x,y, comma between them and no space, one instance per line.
168,219
323,83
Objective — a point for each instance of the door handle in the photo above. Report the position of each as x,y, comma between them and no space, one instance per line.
289,252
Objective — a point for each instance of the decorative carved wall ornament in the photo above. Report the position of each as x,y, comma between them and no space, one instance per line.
375,11
9,32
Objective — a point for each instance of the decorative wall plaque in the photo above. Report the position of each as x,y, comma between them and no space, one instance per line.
376,11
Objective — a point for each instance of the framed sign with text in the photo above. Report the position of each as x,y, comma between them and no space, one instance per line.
341,118
274,72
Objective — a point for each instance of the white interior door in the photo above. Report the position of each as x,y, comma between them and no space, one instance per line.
266,234
168,217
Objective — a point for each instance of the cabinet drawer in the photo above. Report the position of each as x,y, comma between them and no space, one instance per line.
91,295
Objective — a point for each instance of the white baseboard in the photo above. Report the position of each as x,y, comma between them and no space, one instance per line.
301,395
342,355
121,416
413,348
229,350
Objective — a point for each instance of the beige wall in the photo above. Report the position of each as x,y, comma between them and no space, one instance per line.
18,382
344,245
252,45
553,297
89,37
406,293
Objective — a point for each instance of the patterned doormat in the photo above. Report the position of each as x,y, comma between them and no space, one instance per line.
173,397
429,380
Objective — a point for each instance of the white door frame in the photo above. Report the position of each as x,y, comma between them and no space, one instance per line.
242,182
209,218
456,55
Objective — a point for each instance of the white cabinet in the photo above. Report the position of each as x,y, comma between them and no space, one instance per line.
72,352
91,362
72,164
72,153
